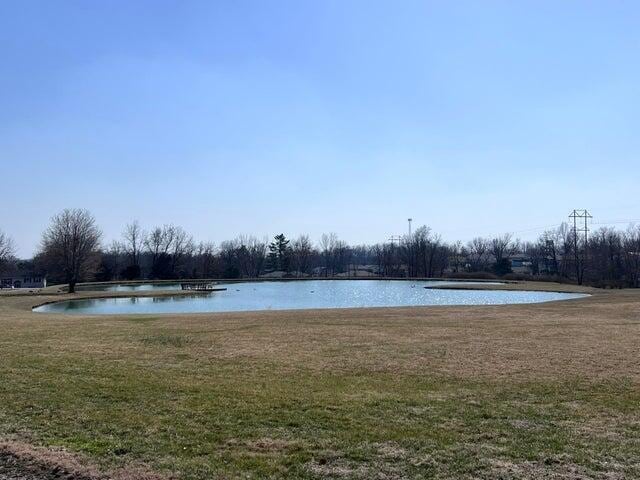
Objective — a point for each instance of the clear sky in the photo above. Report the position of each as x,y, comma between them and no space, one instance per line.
474,118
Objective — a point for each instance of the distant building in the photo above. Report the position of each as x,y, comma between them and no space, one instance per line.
521,263
518,262
23,279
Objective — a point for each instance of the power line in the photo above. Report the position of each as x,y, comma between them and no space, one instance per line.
513,232
537,228
632,220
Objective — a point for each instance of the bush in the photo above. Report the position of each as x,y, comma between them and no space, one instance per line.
132,272
503,267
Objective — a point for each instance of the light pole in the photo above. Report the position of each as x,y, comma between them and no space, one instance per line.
410,220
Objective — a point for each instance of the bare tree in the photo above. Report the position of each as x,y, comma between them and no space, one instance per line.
342,256
7,251
327,247
257,250
502,247
246,253
458,254
206,259
436,256
388,259
565,235
134,238
153,243
478,251
302,251
70,245
182,246
114,255
413,249
158,244
424,253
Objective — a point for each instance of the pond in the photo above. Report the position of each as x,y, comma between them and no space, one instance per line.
292,295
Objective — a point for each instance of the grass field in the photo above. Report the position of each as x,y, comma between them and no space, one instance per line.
530,391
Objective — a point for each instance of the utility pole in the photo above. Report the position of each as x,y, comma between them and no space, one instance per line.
585,216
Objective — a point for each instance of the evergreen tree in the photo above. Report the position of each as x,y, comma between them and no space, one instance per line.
279,253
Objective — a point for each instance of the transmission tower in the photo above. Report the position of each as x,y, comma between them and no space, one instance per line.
395,238
584,216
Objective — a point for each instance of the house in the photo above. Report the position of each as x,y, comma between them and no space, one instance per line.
23,279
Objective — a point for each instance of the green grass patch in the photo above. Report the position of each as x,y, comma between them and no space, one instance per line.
232,420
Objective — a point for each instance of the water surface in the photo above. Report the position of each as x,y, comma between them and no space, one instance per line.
129,287
293,295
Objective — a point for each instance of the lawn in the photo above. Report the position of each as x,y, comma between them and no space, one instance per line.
458,392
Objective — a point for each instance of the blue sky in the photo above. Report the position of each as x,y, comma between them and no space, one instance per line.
474,118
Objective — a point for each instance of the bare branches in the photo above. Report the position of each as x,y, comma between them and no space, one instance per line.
327,247
168,246
244,256
70,245
7,251
503,246
478,253
302,251
134,238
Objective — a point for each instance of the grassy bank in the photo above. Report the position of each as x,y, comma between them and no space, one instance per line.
510,392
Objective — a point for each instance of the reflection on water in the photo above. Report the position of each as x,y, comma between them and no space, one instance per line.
306,294
123,287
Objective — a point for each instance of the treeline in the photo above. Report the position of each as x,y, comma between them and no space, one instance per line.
168,252
71,251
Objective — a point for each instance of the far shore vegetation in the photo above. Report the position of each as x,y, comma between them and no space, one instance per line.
71,251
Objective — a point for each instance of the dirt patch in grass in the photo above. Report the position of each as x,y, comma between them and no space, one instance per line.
20,461
261,445
552,468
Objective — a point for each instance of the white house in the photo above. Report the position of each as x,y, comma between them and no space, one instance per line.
23,279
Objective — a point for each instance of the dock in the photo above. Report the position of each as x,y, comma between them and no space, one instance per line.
201,287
